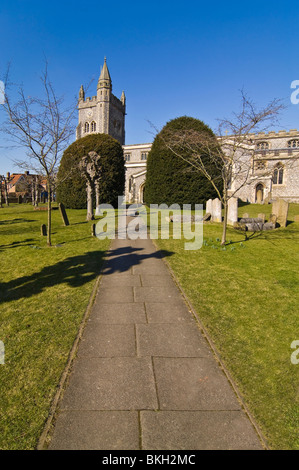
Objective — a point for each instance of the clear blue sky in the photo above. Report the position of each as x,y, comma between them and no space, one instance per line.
171,58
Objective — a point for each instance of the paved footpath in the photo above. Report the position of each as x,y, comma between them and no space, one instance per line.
144,376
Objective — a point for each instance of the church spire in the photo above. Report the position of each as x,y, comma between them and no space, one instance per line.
105,79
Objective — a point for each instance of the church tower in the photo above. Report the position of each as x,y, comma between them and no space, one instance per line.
103,113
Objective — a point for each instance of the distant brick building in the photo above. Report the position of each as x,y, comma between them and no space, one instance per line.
274,168
20,186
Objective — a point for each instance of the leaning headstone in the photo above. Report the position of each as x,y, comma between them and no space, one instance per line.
63,214
207,216
273,219
216,213
209,206
262,217
93,230
232,211
280,207
43,230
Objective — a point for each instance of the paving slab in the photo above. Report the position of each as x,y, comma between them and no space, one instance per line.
170,312
167,340
121,383
114,295
154,280
96,430
121,313
142,269
124,279
197,430
193,384
102,340
156,294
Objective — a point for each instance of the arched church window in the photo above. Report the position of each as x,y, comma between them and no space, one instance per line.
278,174
262,146
86,127
293,144
93,126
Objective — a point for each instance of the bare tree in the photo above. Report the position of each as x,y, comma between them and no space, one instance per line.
1,180
43,126
91,170
5,188
232,153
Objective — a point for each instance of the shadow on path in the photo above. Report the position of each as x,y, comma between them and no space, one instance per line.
123,258
75,271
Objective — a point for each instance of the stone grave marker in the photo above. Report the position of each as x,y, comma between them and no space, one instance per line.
232,211
262,217
209,207
43,230
280,208
216,213
273,219
63,214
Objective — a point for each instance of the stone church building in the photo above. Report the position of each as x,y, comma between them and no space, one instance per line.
274,168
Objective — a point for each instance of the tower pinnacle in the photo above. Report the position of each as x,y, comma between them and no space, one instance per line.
105,79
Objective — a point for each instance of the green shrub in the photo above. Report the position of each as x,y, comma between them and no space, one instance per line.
72,185
169,179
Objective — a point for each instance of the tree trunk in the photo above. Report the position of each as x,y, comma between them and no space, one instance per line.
1,192
97,193
223,241
225,202
36,192
32,192
89,191
49,241
6,192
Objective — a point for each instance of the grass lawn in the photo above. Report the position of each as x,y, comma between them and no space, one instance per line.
247,297
44,293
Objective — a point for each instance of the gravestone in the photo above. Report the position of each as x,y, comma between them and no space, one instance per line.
280,208
206,217
245,215
63,214
209,207
20,199
93,230
262,217
98,211
43,230
216,212
232,211
273,219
